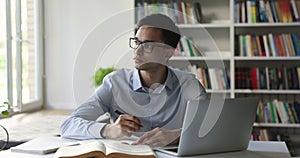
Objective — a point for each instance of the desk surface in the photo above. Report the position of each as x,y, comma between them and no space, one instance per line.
259,149
255,149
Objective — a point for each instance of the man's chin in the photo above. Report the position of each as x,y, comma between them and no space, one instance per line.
148,66
140,67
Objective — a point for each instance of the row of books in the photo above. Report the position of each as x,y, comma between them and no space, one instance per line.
254,11
180,12
278,112
286,44
267,135
211,78
187,48
267,78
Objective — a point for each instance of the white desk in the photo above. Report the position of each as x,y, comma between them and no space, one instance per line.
255,149
259,149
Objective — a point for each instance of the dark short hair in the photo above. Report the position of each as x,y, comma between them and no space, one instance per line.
170,32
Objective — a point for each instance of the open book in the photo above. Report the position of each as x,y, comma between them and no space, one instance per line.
105,148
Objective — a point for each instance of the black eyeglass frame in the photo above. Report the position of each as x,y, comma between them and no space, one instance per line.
150,47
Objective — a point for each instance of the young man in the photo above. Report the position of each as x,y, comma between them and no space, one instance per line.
149,100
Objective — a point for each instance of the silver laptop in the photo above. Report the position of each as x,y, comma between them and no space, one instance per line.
216,125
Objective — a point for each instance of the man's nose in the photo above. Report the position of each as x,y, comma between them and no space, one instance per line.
139,50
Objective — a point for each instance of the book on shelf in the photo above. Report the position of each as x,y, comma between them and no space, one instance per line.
274,78
262,78
248,11
269,12
266,45
253,11
254,78
262,11
280,45
295,40
284,118
179,17
274,113
184,13
295,110
264,136
213,78
105,149
278,11
259,115
291,115
242,78
237,12
297,9
272,43
243,12
198,12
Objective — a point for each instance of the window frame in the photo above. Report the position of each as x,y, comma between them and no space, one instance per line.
39,59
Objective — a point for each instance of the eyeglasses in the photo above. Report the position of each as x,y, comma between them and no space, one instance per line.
146,46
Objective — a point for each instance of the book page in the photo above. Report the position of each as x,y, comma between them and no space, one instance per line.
89,149
113,146
129,140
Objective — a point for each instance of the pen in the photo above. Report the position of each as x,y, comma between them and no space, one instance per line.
120,113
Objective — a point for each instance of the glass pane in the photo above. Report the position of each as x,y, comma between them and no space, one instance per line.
29,83
3,73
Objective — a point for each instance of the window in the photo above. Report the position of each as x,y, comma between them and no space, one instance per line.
21,53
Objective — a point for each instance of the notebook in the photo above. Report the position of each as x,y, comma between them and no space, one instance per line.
43,145
216,125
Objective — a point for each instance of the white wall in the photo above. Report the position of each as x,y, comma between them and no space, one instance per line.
81,35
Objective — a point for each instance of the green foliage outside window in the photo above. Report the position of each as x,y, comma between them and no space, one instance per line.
4,109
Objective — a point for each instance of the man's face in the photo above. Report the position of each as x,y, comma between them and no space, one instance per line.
159,54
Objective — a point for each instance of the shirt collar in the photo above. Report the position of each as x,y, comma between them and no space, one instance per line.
137,84
170,79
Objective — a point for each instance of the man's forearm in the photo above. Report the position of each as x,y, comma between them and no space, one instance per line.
79,128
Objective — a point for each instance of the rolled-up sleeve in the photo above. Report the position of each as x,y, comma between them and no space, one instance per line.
82,122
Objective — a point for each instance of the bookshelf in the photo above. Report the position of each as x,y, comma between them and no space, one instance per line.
219,37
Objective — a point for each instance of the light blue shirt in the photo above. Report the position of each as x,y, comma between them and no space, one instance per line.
122,91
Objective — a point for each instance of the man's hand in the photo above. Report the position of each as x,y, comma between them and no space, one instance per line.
124,126
160,137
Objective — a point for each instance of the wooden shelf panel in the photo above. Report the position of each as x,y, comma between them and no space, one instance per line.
285,58
267,91
294,24
279,125
206,25
198,58
217,91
